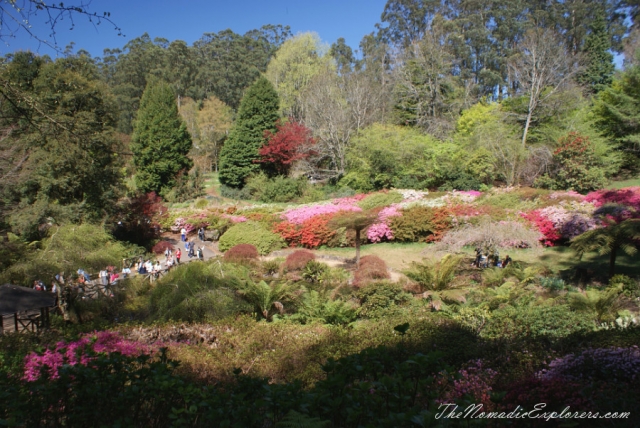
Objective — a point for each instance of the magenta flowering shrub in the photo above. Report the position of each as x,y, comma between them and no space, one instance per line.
629,197
606,364
76,353
302,214
474,381
387,212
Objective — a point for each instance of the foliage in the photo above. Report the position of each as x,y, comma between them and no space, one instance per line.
381,298
356,221
380,199
251,233
318,272
280,189
616,112
553,284
298,260
160,142
420,223
58,146
628,197
598,74
291,142
629,286
603,305
296,62
384,156
545,324
258,113
268,298
608,240
576,166
371,268
161,247
195,292
436,281
67,249
317,306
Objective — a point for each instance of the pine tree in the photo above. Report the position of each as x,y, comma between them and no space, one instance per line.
258,113
599,71
160,141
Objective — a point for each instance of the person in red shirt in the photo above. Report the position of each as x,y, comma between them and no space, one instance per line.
178,254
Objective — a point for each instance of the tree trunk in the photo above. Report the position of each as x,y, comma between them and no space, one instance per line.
526,128
612,261
358,246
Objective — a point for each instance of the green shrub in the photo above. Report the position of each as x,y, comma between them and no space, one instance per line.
251,233
630,286
314,271
539,323
201,204
420,224
282,189
316,306
553,284
380,199
241,253
381,299
233,193
196,292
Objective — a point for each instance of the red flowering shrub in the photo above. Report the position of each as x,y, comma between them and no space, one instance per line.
298,260
421,224
241,252
161,247
312,233
544,226
371,268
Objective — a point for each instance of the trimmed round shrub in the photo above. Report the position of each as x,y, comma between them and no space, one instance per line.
371,268
242,252
251,233
298,260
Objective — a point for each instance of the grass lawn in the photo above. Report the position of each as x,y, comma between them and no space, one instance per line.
559,260
626,183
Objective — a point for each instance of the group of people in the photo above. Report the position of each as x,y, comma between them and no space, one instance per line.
490,259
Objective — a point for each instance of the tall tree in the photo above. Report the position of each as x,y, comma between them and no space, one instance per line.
160,141
57,147
540,69
343,55
215,119
258,113
294,65
617,113
598,73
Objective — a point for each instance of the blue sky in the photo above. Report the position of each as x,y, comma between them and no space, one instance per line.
188,19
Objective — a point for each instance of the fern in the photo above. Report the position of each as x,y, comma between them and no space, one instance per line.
294,419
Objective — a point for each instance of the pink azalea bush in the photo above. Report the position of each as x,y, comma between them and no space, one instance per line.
234,218
302,214
378,232
75,353
180,223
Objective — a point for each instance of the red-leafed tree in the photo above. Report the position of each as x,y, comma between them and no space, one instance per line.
292,141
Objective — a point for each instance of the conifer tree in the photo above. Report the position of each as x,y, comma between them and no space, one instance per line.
598,73
258,113
160,141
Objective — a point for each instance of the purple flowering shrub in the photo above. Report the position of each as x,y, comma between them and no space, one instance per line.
474,381
605,364
76,353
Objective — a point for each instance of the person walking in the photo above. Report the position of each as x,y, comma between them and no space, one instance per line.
183,234
178,254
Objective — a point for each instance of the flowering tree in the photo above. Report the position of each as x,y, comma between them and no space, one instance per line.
292,141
